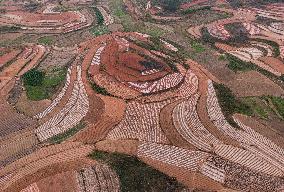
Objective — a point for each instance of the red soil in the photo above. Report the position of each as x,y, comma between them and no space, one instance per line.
8,56
121,67
43,163
113,113
188,178
40,51
166,123
96,105
61,182
224,47
118,146
33,19
274,63
46,172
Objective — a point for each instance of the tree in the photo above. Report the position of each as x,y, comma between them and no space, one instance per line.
171,5
33,77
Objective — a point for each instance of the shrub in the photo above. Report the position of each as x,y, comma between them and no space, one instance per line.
151,64
235,64
229,103
63,136
99,16
274,45
100,90
33,77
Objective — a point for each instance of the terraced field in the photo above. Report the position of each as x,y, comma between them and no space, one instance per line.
124,110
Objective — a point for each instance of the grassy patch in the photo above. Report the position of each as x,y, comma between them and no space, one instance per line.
229,103
63,136
198,47
278,104
235,64
47,86
259,109
46,40
99,30
136,176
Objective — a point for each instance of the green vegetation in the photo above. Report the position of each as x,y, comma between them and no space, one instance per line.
99,16
171,5
9,29
238,33
277,104
172,65
156,43
235,64
99,30
266,106
136,176
222,57
198,47
46,40
258,107
229,103
33,77
207,38
191,11
40,85
2,53
129,24
63,136
100,90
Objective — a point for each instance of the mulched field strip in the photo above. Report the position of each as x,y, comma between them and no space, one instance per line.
202,110
96,105
166,123
66,96
262,129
